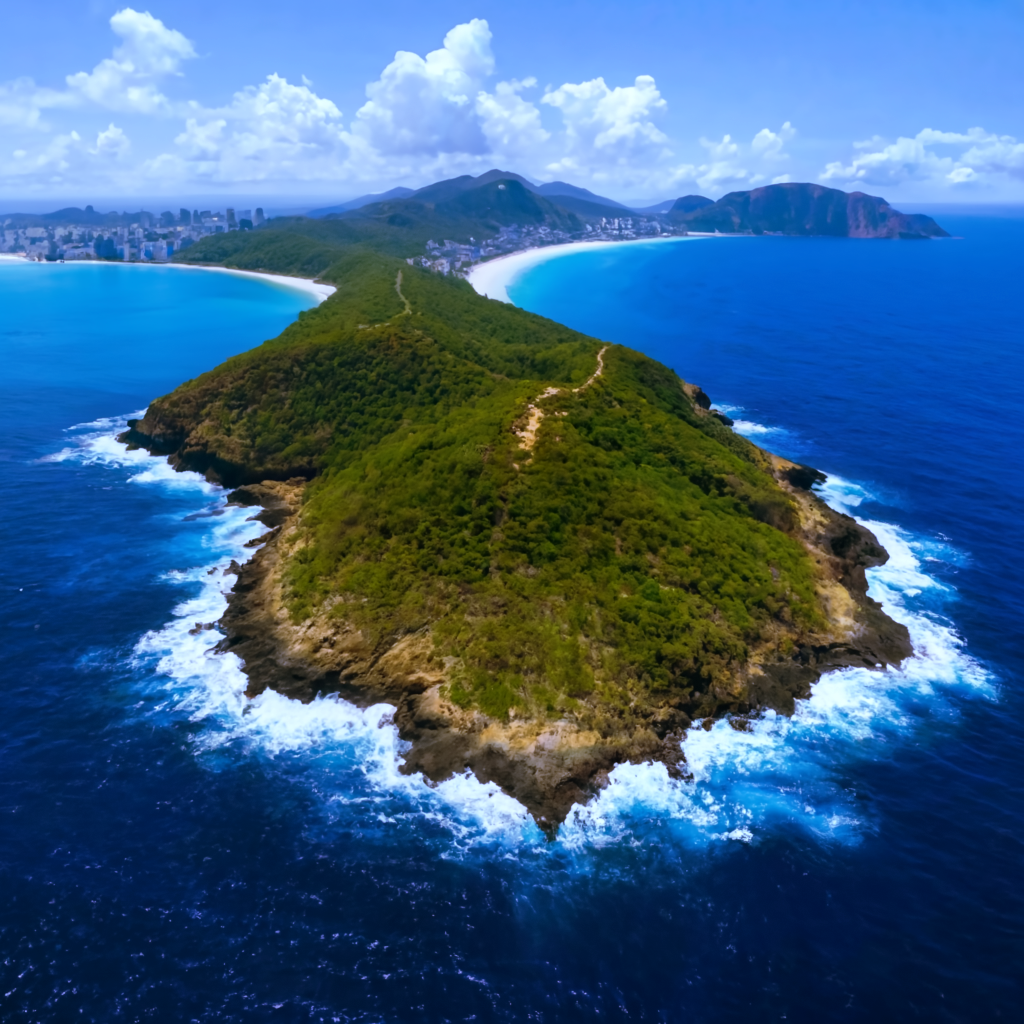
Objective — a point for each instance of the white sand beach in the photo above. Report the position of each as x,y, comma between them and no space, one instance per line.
493,277
302,284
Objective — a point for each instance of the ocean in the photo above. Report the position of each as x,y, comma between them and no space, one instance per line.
172,852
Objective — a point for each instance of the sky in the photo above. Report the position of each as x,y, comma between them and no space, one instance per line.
914,100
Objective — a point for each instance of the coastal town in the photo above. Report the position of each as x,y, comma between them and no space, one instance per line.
156,238
448,257
142,237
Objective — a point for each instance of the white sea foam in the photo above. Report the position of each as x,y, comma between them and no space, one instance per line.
748,428
775,772
785,771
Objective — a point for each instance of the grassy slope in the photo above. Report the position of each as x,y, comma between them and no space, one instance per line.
638,556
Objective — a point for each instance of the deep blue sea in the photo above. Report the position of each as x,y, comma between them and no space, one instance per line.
171,852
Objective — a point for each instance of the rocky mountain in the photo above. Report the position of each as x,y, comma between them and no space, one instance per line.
803,209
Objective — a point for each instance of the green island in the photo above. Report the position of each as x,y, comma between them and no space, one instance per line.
545,551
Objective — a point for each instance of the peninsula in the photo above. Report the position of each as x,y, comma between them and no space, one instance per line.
548,553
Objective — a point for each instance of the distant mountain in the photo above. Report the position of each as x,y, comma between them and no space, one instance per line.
441,191
690,204
68,215
805,209
562,189
401,192
663,207
591,210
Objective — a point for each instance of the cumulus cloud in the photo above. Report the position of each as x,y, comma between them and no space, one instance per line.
69,159
274,130
22,103
733,165
935,157
768,145
127,81
511,123
424,117
429,105
606,128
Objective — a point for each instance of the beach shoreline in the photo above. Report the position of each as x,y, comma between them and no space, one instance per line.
303,284
317,289
493,278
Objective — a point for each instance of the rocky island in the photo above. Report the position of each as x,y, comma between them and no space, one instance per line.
548,553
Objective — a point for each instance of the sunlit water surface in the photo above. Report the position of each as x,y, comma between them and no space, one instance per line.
173,852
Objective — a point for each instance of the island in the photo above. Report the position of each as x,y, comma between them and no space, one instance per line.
548,553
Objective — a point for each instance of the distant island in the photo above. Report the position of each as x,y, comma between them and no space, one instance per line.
447,226
548,553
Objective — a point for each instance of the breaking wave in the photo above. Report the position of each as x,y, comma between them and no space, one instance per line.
749,777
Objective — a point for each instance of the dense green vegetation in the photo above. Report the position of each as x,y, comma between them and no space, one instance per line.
401,227
641,548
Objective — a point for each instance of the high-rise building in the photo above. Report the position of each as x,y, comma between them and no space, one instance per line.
232,223
184,217
259,218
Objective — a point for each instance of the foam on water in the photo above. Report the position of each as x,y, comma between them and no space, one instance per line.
776,771
748,428
747,778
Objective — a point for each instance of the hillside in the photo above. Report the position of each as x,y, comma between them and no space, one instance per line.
545,551
804,209
399,227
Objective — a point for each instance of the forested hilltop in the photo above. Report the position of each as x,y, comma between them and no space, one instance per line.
546,551
469,219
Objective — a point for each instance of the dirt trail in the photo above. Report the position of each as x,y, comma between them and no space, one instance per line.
398,288
535,414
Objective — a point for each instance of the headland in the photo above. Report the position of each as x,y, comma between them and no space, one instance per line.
548,553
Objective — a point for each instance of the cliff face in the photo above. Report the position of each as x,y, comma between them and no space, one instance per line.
548,554
548,762
807,209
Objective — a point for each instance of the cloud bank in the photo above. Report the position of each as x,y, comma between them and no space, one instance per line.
445,113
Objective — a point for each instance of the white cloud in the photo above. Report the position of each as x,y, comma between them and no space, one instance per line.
68,160
22,103
272,131
734,165
934,157
511,124
126,81
112,142
768,145
608,129
428,105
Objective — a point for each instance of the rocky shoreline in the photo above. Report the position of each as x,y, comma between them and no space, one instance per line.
546,765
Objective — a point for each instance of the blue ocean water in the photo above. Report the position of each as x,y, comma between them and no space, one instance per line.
170,852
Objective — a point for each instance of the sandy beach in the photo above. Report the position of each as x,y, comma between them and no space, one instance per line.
302,284
493,277
315,288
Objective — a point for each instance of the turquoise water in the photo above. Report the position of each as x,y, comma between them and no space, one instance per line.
172,852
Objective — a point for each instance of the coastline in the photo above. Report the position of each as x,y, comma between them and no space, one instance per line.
492,279
303,284
317,289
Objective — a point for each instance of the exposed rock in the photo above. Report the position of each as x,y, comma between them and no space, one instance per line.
547,765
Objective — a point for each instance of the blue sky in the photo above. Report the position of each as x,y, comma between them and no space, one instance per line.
917,101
